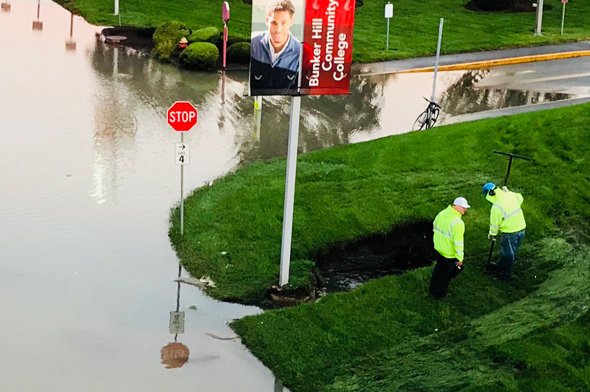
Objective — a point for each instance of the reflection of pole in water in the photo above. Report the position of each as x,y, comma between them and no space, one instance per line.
175,354
5,6
221,122
70,43
257,117
37,24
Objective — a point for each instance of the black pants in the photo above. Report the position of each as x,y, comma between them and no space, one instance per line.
444,271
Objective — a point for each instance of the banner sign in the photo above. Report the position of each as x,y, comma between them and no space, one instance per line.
327,53
301,47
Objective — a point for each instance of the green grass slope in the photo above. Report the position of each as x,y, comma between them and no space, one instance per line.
388,334
413,30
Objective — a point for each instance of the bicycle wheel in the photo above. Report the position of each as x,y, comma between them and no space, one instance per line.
421,121
434,117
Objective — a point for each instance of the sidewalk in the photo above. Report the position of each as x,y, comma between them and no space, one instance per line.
477,60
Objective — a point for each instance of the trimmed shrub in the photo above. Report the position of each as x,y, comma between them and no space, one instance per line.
200,55
166,39
232,39
208,34
239,52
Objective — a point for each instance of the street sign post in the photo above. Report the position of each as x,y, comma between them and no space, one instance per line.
564,2
388,16
181,117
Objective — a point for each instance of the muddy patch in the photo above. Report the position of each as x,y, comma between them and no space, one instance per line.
344,267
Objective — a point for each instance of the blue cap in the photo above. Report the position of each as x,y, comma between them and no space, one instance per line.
487,187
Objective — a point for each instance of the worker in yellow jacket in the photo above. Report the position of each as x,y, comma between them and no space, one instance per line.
448,228
506,217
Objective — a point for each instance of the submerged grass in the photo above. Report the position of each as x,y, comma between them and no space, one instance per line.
388,334
414,27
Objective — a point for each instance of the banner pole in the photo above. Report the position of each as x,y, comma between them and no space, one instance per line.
440,32
290,190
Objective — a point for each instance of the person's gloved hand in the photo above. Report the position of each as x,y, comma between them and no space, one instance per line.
491,237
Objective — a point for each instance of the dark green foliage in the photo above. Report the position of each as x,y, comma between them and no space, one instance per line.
239,52
166,39
200,55
494,5
233,38
208,34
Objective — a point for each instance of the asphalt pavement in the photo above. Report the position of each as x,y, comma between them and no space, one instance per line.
482,60
478,59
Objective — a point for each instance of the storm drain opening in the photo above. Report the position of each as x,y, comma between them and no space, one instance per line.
344,267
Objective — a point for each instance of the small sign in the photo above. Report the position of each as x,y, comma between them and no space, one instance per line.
389,10
177,322
182,155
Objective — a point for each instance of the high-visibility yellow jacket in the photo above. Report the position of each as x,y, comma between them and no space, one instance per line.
448,233
506,215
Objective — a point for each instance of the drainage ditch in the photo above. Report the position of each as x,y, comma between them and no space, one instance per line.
344,267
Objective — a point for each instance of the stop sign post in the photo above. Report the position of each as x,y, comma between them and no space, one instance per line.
182,116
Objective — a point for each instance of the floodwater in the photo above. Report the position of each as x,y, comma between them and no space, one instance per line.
87,181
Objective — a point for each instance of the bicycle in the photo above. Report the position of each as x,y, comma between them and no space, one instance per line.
428,117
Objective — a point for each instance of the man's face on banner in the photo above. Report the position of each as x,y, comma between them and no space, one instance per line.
279,23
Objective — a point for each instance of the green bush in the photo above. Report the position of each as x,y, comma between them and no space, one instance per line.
200,55
239,52
232,39
208,34
166,39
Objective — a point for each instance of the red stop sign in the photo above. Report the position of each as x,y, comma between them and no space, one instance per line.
182,116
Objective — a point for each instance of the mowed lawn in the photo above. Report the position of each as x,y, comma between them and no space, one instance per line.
388,334
413,28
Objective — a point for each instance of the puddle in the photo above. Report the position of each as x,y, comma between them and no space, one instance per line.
344,267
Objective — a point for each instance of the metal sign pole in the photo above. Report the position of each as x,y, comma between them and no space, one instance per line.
388,16
387,39
290,190
181,191
562,16
539,24
117,8
440,32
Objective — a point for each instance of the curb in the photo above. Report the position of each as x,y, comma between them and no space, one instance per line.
504,61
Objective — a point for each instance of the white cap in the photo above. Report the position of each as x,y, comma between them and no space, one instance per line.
461,202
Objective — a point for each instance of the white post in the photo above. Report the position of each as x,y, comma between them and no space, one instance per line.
388,16
539,25
387,39
290,190
116,7
562,17
440,32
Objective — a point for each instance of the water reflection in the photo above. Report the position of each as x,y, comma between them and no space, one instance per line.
37,23
5,6
175,354
465,95
70,42
115,130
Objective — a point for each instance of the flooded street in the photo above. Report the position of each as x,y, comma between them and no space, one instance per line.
87,181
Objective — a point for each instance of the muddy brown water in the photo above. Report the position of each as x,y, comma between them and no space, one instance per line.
87,181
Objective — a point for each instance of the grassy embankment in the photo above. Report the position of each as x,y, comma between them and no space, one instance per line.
414,27
529,334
